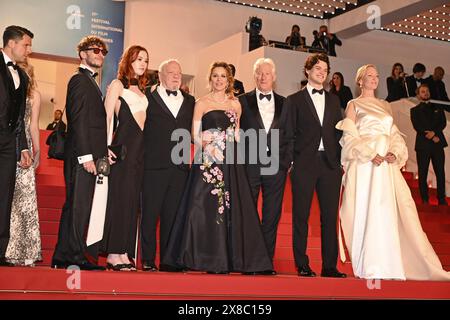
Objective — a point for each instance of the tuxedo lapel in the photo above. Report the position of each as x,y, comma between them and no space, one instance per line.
160,101
253,106
327,110
183,106
87,73
278,106
310,104
9,81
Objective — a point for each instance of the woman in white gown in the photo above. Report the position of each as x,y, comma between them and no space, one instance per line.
378,216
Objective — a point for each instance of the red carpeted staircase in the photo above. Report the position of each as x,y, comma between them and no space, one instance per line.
51,194
45,283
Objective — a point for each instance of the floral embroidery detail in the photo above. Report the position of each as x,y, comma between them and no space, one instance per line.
213,154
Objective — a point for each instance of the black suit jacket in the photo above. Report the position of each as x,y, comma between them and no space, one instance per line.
251,119
412,85
52,126
159,125
7,92
86,117
304,131
428,117
437,89
396,89
328,44
238,87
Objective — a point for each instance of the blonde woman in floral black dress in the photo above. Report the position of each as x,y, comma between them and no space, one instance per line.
24,247
217,227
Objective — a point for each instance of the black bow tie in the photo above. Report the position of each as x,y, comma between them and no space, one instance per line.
11,64
94,75
317,91
419,80
169,92
267,96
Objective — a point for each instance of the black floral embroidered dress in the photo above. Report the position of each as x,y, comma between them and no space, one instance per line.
217,227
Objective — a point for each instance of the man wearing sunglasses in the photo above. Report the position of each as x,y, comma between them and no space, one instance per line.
86,142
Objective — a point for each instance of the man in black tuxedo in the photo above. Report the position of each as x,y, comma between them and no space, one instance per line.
326,41
261,111
415,80
429,121
86,142
313,140
57,122
238,86
164,181
17,43
437,86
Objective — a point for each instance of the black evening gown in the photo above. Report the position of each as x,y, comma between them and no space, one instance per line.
217,227
125,182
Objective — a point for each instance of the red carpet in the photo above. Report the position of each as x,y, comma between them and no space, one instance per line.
44,283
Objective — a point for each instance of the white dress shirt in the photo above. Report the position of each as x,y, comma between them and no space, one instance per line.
14,72
172,102
319,104
266,109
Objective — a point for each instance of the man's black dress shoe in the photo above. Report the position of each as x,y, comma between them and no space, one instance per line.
149,266
89,266
261,273
443,202
305,271
217,272
4,263
57,264
332,273
167,268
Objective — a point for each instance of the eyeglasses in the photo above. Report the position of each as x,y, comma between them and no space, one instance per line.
98,50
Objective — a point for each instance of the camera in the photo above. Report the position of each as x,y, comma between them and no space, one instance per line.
254,25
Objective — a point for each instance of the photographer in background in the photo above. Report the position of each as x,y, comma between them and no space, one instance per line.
295,39
326,41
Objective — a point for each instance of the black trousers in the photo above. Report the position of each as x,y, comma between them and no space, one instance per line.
437,157
80,185
326,181
272,188
161,195
7,182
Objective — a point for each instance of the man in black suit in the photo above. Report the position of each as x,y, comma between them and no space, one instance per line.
326,41
238,85
86,142
429,121
415,80
313,140
17,43
57,122
164,180
261,111
437,86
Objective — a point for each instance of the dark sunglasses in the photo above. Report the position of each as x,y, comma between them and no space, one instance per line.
98,50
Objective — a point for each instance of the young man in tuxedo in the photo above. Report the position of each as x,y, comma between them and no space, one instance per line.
429,121
57,122
17,42
261,111
312,114
416,79
86,142
169,109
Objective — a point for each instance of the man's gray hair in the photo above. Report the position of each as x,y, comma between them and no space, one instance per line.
262,61
165,63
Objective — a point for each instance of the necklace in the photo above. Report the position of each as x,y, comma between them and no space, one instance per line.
220,102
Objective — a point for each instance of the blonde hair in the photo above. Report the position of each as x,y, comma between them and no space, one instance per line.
29,70
230,79
361,73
